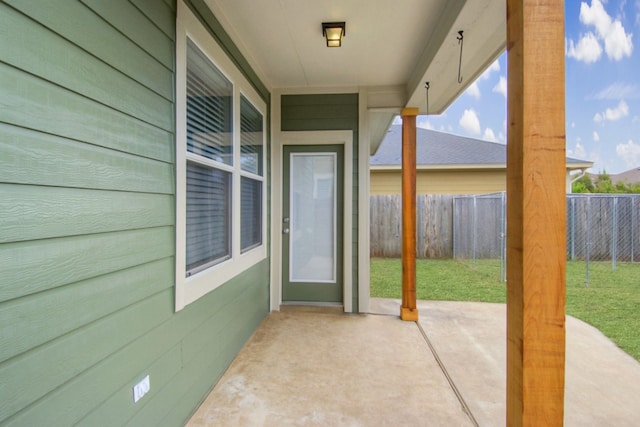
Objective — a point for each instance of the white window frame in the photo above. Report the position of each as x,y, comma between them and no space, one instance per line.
189,289
251,175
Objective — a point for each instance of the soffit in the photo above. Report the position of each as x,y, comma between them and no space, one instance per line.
388,44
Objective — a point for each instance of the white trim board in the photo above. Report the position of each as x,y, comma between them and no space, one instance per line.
279,139
364,138
189,289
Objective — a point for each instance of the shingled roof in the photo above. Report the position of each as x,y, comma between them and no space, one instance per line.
443,149
631,176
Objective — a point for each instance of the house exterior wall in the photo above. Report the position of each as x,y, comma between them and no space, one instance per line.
329,112
87,237
441,182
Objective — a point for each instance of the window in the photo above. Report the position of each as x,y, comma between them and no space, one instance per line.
210,153
251,138
220,163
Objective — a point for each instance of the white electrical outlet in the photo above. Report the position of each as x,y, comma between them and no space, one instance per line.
141,389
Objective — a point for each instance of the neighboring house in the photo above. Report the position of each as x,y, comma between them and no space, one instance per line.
631,176
447,164
163,165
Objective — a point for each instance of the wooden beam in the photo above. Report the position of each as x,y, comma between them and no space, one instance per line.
536,238
408,310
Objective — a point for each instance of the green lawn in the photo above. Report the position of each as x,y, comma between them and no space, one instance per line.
611,302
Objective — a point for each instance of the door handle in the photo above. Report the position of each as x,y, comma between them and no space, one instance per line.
285,227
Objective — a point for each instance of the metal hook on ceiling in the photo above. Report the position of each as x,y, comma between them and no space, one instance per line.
426,86
460,39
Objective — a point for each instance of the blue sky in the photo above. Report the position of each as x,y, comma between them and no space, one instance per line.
602,89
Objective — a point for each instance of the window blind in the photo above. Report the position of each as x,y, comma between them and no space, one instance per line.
209,189
209,108
251,213
251,137
208,225
251,142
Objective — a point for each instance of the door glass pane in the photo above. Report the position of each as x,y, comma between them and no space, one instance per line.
312,237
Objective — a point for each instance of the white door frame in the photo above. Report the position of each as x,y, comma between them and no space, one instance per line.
343,138
278,140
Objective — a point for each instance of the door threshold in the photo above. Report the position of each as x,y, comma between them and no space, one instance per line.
312,307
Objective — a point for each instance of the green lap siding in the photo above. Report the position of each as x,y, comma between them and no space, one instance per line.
34,103
328,112
54,61
87,225
87,30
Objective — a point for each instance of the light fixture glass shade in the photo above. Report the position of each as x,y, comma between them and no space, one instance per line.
333,32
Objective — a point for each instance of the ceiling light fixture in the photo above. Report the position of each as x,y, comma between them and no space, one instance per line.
334,32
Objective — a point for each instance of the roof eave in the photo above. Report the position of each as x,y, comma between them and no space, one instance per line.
470,167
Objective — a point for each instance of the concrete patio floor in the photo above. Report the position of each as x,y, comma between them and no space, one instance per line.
308,366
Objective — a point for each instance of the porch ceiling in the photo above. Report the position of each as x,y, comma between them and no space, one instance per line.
390,47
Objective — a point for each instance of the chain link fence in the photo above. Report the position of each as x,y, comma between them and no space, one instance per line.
603,228
480,228
600,228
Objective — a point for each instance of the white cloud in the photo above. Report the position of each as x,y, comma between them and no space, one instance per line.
621,6
595,15
489,135
596,136
617,43
470,122
397,120
578,151
613,114
617,91
629,152
587,50
423,122
617,113
494,67
501,87
474,90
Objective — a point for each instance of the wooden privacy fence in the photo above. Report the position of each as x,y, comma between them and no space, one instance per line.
599,227
434,226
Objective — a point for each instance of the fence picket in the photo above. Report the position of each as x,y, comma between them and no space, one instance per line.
599,227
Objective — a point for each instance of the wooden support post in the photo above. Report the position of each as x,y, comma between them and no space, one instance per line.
408,310
536,239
